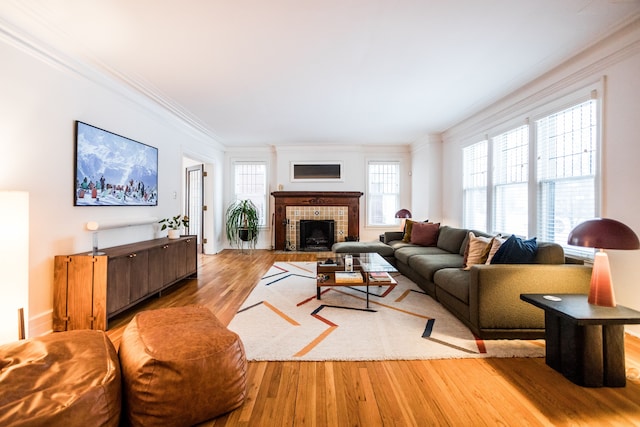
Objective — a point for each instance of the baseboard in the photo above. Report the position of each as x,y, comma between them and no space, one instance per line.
633,334
40,324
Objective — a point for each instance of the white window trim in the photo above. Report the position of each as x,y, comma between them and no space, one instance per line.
368,162
232,185
567,97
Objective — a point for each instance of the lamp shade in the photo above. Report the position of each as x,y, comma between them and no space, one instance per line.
403,213
603,233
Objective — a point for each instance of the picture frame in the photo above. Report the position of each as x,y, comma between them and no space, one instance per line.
112,170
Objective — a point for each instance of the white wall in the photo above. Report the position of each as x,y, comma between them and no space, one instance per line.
615,63
41,98
354,161
426,177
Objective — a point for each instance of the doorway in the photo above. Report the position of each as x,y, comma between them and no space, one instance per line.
194,205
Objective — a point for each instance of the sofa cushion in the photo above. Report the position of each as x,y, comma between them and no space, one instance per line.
450,239
425,234
408,227
363,247
454,281
427,265
465,242
397,244
496,242
516,251
477,250
549,253
405,252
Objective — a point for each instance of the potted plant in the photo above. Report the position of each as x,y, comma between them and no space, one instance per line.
174,225
242,223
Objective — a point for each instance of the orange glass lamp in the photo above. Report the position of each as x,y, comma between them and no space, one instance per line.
603,233
403,214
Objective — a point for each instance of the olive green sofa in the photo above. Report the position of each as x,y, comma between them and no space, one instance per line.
486,297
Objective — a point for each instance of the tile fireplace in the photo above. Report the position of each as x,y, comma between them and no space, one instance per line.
292,207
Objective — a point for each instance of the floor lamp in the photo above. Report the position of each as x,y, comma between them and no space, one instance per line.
14,264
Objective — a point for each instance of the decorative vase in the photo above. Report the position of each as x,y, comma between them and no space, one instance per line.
174,234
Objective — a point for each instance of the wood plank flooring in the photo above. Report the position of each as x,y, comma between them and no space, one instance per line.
460,392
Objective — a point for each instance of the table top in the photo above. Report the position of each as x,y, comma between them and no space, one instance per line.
576,308
367,262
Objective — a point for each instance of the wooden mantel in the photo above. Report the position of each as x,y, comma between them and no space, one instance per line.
350,199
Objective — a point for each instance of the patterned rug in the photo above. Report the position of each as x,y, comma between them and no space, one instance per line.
282,320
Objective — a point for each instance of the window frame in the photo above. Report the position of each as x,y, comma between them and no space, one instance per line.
530,116
265,199
480,150
574,251
369,195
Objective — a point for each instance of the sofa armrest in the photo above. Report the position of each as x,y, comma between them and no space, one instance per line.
494,292
390,236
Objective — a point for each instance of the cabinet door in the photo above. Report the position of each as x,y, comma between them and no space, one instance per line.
156,268
138,275
170,266
191,258
181,255
117,283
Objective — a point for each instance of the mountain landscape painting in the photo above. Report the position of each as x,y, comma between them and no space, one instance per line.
112,170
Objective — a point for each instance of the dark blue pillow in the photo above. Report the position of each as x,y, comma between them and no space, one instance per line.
516,251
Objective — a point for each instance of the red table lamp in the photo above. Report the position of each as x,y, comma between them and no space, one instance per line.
403,214
603,233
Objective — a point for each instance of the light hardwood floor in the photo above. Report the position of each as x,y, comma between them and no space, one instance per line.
461,392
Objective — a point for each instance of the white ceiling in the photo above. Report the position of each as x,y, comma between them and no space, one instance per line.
255,72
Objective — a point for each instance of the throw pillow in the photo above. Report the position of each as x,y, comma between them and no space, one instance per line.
495,245
408,226
516,251
477,250
425,233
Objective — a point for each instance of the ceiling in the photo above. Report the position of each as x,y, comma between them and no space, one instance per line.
256,72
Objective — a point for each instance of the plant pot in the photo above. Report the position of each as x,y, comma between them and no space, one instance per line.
174,234
243,234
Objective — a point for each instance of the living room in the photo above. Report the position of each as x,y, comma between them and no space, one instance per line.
46,89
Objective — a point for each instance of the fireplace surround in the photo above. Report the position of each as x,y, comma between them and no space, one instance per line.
348,199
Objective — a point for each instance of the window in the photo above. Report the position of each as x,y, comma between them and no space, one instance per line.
383,198
510,180
474,187
250,182
567,147
544,178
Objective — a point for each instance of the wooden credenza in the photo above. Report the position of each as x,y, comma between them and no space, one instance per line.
88,290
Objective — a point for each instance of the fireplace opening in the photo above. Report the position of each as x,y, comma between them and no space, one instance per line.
316,235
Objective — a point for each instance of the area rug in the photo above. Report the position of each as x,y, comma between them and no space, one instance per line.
282,320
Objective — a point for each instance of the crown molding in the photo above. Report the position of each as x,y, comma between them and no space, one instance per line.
64,55
584,68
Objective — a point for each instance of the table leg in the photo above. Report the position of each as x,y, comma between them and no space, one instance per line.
367,294
613,348
552,340
592,356
318,292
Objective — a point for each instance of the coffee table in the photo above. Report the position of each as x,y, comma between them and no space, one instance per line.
365,263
